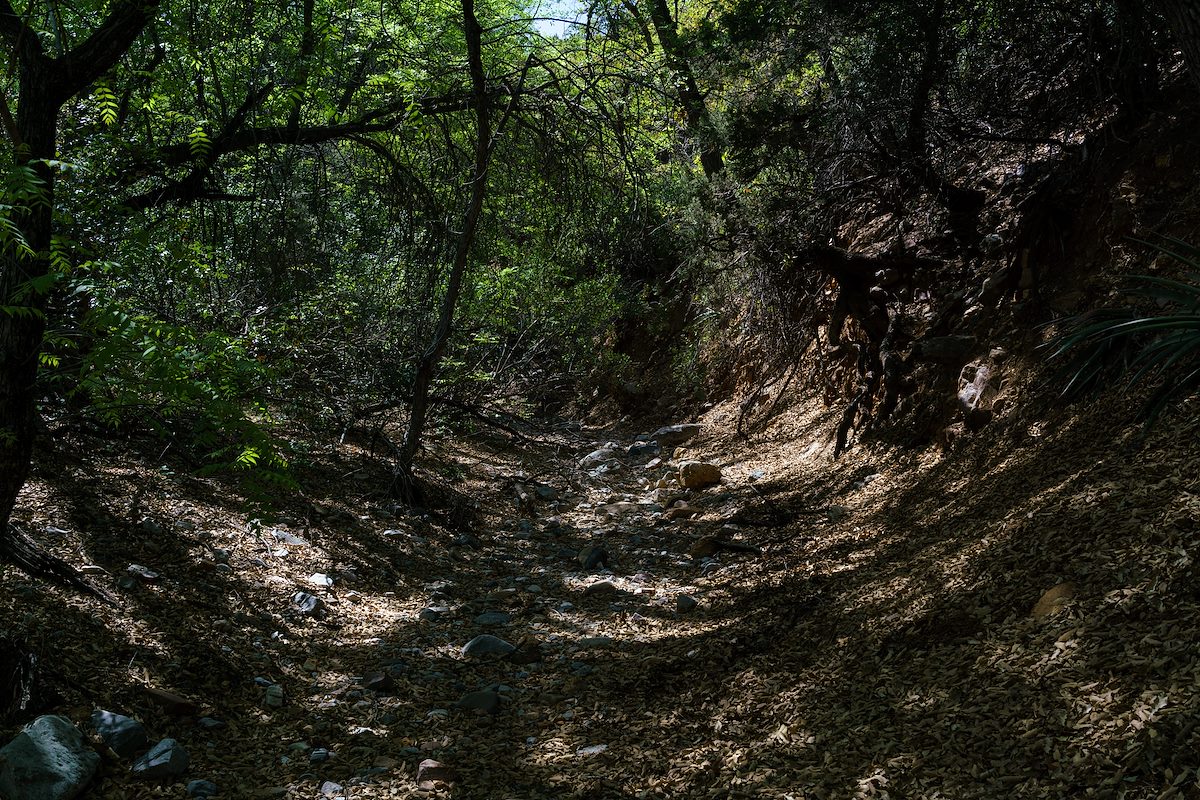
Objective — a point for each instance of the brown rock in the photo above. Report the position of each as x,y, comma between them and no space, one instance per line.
529,651
431,771
601,589
698,474
682,510
1054,599
592,557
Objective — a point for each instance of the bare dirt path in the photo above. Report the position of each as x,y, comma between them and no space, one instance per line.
859,628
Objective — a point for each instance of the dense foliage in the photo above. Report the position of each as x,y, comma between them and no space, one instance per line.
218,217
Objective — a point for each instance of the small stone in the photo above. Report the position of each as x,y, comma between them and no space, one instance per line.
143,574
672,435
274,696
431,771
201,788
600,589
698,474
533,588
1054,599
685,603
643,449
597,456
330,788
167,759
485,700
211,723
288,538
221,556
124,735
591,750
597,643
486,644
320,755
432,613
151,527
320,580
493,618
380,682
592,557
307,604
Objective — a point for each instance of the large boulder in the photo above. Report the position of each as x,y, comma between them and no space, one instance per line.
698,474
672,435
48,760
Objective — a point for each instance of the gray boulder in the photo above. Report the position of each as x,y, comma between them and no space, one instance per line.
598,456
166,760
307,604
486,644
976,395
201,788
48,760
643,449
672,435
125,735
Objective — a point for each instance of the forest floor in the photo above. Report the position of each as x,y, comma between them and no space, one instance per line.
892,639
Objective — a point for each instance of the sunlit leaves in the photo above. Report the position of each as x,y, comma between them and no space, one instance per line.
106,103
199,142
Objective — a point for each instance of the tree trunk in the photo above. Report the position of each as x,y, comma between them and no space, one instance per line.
699,122
430,361
1183,16
44,86
22,321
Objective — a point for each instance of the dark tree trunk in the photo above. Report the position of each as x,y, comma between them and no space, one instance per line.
428,366
22,323
1184,18
963,204
1137,61
44,85
699,122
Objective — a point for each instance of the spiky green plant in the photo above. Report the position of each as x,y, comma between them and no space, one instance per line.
1155,337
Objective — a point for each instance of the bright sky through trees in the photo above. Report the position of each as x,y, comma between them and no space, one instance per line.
554,15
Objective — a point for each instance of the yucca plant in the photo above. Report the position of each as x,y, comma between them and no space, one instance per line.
1155,339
